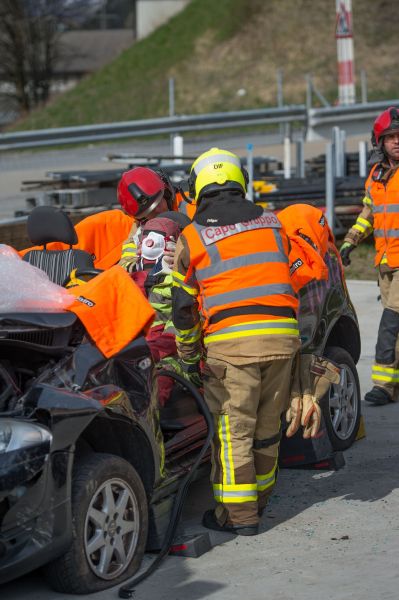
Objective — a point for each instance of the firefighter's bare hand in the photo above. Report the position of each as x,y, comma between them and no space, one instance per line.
311,416
293,415
169,255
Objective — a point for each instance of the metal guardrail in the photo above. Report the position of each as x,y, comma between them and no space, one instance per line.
144,127
353,119
315,120
336,115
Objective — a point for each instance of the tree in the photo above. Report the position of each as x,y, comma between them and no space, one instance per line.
29,45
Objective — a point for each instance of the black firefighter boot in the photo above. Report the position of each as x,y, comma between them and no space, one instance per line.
385,355
210,521
378,396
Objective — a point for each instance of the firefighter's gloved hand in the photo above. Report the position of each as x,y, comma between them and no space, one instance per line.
191,371
293,415
168,257
345,251
311,416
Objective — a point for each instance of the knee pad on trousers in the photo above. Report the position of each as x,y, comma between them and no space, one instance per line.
387,334
267,442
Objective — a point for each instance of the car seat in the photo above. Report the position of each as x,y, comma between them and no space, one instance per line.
48,224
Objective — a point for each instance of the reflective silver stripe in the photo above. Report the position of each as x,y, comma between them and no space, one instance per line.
387,375
238,494
183,207
279,241
249,293
388,208
389,233
254,326
259,258
265,482
212,251
225,435
370,197
189,336
211,160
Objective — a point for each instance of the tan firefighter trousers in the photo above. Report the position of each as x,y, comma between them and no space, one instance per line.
385,371
247,401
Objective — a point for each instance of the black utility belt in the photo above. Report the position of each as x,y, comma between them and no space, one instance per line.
274,311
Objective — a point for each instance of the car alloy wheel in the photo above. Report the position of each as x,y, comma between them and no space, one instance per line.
341,404
111,529
344,404
109,526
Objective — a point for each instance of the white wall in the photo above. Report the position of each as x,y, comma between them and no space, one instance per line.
150,14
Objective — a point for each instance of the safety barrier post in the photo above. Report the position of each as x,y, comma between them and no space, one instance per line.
171,106
336,143
250,169
330,183
342,143
300,158
363,159
178,149
287,158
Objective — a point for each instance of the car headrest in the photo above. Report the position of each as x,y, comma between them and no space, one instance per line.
48,224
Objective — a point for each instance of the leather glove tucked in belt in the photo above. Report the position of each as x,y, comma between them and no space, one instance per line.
345,251
303,411
294,412
316,376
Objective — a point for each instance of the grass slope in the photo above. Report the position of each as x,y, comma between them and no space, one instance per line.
213,48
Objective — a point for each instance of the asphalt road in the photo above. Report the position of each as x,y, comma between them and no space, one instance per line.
330,535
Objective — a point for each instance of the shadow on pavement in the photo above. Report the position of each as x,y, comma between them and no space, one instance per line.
370,475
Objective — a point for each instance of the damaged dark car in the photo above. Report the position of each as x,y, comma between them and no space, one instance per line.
86,483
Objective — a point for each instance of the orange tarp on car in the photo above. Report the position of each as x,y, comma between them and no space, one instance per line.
113,310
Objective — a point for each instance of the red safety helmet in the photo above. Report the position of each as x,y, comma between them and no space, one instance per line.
141,189
386,122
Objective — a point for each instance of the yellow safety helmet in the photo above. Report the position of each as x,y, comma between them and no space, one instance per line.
214,171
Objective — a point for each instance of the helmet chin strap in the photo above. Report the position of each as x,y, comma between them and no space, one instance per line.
185,198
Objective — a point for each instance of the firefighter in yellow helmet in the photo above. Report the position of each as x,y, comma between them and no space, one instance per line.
234,306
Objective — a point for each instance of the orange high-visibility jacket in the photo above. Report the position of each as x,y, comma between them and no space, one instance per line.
113,310
309,236
101,235
384,198
242,273
184,207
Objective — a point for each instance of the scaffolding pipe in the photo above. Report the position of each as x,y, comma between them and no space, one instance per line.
250,169
330,184
363,159
300,159
287,158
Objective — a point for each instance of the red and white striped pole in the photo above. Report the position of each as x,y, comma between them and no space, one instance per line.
344,37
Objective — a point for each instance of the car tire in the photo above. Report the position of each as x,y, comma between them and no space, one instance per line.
107,546
341,406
